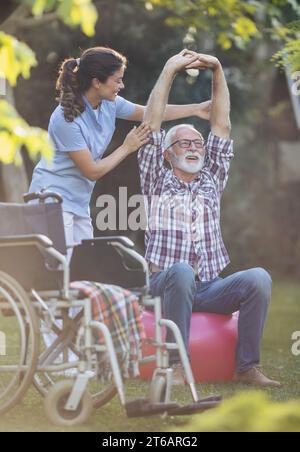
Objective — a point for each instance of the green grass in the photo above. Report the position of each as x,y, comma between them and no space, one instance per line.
277,361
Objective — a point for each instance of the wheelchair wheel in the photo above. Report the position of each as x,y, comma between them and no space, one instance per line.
19,342
101,393
56,400
102,390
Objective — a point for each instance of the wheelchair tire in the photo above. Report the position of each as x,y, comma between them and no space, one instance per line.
55,402
105,396
19,350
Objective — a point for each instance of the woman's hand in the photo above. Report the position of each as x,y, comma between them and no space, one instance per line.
137,137
203,110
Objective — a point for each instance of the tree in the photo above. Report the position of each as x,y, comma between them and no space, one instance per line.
237,22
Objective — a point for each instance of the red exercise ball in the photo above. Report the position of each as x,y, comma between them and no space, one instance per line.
213,341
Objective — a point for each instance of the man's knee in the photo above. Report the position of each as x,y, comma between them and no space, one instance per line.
259,281
183,276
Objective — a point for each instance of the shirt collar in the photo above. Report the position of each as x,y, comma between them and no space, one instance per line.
88,105
185,184
86,102
90,110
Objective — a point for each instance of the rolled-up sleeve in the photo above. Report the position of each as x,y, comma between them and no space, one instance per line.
219,153
151,161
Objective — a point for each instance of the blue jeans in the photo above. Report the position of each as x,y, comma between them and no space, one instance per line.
248,292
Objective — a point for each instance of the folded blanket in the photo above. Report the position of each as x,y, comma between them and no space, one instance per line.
119,310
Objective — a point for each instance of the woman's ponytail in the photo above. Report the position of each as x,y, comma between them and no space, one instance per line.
70,97
75,77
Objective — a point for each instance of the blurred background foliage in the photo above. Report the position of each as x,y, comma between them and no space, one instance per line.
260,210
249,412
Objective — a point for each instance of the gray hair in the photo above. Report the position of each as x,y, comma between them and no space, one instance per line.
169,138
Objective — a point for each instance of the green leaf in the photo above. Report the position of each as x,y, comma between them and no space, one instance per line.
245,28
72,12
289,57
15,133
224,41
39,7
16,58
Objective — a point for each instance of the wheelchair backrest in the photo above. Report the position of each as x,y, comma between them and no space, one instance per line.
29,219
27,264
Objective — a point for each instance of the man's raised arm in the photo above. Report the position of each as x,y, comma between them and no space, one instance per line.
219,148
158,99
220,106
150,156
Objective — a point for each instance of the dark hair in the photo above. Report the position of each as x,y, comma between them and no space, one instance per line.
76,75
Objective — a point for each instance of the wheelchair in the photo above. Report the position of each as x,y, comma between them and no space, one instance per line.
36,298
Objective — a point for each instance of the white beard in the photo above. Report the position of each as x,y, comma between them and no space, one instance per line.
187,167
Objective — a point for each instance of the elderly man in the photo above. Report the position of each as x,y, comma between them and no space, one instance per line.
183,179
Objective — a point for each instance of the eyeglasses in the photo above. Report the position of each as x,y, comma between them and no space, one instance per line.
185,144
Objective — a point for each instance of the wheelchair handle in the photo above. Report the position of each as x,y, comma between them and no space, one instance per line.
42,196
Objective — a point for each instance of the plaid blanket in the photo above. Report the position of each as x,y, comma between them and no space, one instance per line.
119,310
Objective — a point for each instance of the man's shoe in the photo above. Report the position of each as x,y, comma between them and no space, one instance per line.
256,378
178,374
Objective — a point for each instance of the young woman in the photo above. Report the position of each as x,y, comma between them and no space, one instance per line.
81,128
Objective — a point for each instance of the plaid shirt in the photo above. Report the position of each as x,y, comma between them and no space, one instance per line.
184,218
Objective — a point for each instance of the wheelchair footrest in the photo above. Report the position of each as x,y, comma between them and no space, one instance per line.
142,407
204,404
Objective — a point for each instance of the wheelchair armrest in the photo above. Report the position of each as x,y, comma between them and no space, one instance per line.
125,241
26,240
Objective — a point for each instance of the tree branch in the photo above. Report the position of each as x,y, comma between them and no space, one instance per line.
22,19
38,21
12,23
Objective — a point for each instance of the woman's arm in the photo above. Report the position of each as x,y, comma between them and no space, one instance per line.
174,112
94,170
